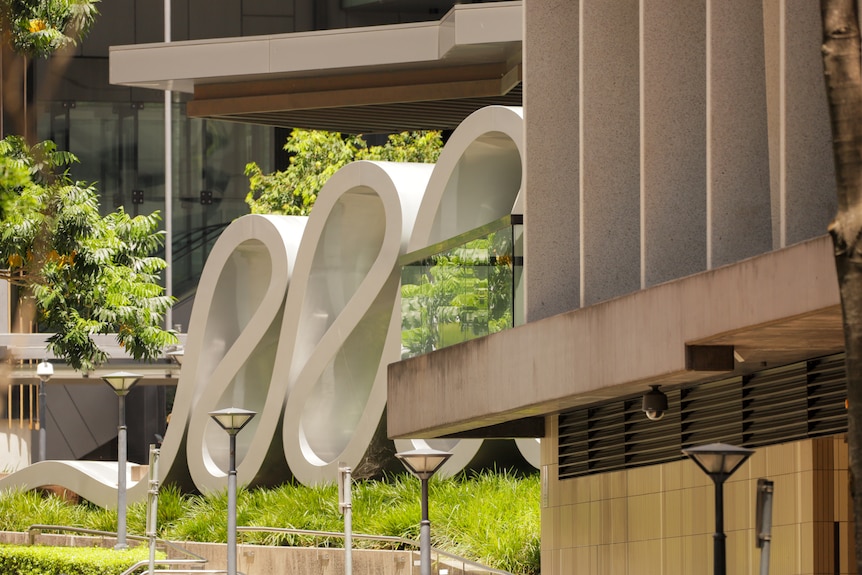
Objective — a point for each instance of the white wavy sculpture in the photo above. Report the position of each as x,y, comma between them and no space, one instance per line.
297,318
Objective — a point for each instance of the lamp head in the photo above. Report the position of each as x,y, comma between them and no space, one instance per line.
122,381
654,403
232,419
44,371
423,462
718,460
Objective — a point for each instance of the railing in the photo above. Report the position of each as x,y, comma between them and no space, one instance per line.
451,560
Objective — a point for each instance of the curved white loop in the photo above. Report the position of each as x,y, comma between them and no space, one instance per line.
297,318
477,180
95,481
530,449
231,348
347,326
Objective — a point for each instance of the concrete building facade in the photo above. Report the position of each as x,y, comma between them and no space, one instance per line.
679,181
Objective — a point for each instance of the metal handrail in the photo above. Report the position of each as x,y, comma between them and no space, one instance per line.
140,564
198,560
387,538
146,563
338,534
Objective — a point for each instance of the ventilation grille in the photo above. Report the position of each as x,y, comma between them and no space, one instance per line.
617,435
776,405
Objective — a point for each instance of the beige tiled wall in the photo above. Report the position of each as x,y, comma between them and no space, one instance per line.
660,519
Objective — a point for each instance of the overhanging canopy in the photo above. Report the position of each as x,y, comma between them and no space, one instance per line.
428,75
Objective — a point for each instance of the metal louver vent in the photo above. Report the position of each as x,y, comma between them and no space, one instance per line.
712,412
776,405
827,392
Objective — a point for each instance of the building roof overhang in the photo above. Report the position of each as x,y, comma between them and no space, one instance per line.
20,352
362,80
770,310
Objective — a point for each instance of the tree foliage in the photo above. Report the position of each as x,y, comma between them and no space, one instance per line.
38,28
317,155
87,274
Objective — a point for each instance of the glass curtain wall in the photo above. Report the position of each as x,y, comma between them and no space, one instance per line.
121,150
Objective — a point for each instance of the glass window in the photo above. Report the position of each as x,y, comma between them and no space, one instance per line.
461,289
122,152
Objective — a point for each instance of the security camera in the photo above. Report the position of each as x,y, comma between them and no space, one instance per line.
654,403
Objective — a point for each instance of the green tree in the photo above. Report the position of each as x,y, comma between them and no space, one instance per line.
86,274
38,28
316,155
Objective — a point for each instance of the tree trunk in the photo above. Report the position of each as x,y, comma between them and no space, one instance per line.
842,66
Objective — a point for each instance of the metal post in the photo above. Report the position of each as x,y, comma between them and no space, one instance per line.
231,508
44,371
43,432
424,533
121,476
346,505
719,537
169,182
153,505
765,489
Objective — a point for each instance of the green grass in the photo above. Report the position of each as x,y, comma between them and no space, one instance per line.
489,517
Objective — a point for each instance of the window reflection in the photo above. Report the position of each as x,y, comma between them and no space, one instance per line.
120,146
461,289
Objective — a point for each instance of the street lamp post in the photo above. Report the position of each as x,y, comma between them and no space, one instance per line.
121,382
719,461
44,371
232,420
424,463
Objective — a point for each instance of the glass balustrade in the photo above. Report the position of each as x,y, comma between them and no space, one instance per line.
462,288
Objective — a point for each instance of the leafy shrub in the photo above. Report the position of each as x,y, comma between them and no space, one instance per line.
39,560
20,509
316,155
491,517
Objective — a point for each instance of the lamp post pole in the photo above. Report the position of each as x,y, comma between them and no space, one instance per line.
231,508
424,532
121,382
719,461
121,475
44,371
232,420
424,463
719,548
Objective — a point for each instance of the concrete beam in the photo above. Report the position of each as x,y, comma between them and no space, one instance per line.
773,309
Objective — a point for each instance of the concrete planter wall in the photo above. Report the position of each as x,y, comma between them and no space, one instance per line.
262,559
